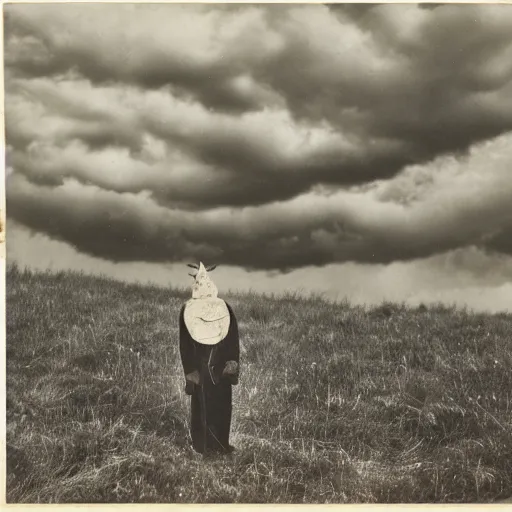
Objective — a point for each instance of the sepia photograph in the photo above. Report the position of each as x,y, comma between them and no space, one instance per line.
258,253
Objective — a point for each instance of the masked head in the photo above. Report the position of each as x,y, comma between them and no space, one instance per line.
206,316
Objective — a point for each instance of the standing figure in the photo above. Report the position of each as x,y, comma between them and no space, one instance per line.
209,348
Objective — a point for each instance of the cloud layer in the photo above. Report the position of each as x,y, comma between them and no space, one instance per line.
269,137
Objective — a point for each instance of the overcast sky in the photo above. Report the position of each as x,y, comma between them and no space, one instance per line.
361,151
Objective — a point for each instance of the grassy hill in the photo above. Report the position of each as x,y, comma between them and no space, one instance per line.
336,403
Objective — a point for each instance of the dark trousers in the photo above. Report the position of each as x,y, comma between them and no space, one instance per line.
211,409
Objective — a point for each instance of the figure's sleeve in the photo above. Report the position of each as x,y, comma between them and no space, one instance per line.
186,347
232,367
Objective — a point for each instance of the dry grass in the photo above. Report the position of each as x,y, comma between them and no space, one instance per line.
336,403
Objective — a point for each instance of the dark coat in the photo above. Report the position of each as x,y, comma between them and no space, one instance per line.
210,371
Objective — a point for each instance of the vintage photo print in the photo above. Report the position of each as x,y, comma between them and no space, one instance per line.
258,253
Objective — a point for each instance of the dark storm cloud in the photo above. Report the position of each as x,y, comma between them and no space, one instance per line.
40,44
422,212
263,136
248,160
437,80
371,79
502,240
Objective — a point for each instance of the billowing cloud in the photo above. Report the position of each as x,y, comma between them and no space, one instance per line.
423,211
261,136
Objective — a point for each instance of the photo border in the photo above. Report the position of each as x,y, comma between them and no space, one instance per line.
501,506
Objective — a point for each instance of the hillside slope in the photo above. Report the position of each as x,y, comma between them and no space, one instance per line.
336,403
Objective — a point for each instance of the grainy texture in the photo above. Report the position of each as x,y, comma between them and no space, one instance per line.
335,403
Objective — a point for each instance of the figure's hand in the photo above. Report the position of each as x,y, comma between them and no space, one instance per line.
189,388
231,372
193,377
231,368
191,380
